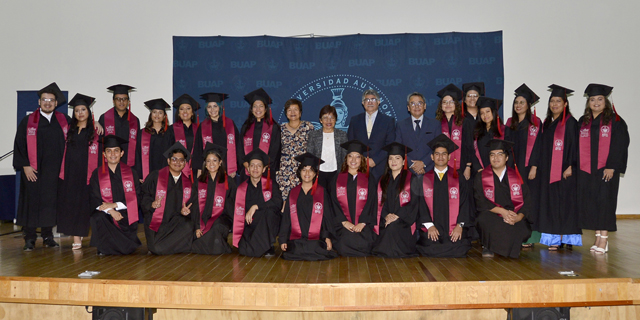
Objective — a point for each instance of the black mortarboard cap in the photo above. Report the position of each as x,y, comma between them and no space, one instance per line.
484,102
558,91
157,104
120,89
113,141
214,97
498,144
396,148
594,89
211,146
308,159
451,90
477,86
258,94
527,94
81,100
442,141
55,90
257,154
186,99
355,146
177,146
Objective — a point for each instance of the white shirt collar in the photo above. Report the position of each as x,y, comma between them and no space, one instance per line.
414,119
438,171
371,116
175,178
48,116
501,175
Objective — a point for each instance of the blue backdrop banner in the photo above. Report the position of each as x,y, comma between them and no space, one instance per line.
336,70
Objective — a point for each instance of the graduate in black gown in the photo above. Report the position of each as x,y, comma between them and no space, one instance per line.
503,204
489,127
115,193
260,118
397,210
213,200
73,190
166,195
151,142
185,125
471,92
554,160
354,203
306,227
256,219
120,121
443,233
221,131
37,154
522,129
603,146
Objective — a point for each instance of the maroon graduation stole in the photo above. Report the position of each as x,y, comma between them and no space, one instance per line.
241,195
180,136
219,195
229,128
129,187
92,161
475,145
454,195
316,216
161,191
362,191
604,143
558,152
514,186
531,138
455,136
145,148
110,128
32,134
265,139
405,197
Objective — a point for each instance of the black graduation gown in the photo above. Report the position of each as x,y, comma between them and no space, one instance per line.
219,137
73,208
158,144
304,248
483,150
443,248
176,231
274,146
105,235
37,201
122,131
215,241
497,236
259,236
188,135
354,244
468,154
599,199
396,240
558,201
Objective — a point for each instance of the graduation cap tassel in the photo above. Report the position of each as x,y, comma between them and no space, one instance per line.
455,168
224,118
226,181
166,124
405,158
270,117
535,117
462,106
516,167
315,185
614,110
198,119
499,127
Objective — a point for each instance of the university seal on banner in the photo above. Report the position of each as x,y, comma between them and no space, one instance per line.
341,191
456,134
428,193
128,186
584,133
604,131
133,133
93,149
31,131
533,130
558,144
453,192
240,211
218,201
106,192
231,139
317,208
404,196
515,189
207,139
161,193
265,137
110,130
202,194
267,195
488,193
362,194
187,191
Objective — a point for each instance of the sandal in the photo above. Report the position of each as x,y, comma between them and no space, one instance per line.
527,245
76,246
554,248
594,246
606,247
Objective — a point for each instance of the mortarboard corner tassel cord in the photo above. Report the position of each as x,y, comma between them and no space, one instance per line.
614,109
224,116
516,167
129,114
315,182
226,181
462,105
405,158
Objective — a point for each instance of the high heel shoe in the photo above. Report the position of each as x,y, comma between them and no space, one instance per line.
606,247
594,246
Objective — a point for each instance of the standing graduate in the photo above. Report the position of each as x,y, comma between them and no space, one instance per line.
185,125
166,195
444,210
554,158
472,91
398,202
38,149
602,157
219,130
354,203
489,127
257,209
522,129
114,195
503,204
306,225
213,201
73,190
151,142
260,131
120,121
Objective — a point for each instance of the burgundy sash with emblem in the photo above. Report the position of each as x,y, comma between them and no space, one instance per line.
362,191
129,187
229,128
265,138
218,203
239,213
316,216
32,134
475,145
515,188
161,191
92,161
531,138
180,136
558,152
454,195
110,128
455,136
404,197
604,143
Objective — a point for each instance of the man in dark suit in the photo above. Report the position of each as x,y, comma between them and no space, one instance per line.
374,129
414,131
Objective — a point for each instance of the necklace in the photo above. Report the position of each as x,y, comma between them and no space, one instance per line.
296,128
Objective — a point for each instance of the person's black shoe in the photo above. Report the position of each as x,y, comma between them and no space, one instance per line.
50,243
486,253
29,245
270,253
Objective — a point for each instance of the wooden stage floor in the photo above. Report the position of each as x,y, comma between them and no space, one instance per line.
190,281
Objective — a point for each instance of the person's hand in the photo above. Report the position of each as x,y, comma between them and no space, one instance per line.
283,247
532,172
480,170
157,203
467,173
567,173
250,213
117,216
456,233
348,225
199,173
359,227
608,174
329,244
186,210
417,166
107,205
372,163
141,181
199,233
246,165
391,217
433,234
30,173
98,127
233,175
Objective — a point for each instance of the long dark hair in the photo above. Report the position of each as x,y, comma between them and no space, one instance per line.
361,169
222,169
481,127
74,126
386,177
607,113
148,127
251,118
549,118
457,113
515,119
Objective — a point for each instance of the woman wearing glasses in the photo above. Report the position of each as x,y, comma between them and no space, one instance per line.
325,144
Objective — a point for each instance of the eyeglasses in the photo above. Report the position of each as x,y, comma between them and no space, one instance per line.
48,100
448,102
440,154
178,160
472,95
370,100
121,99
328,118
417,104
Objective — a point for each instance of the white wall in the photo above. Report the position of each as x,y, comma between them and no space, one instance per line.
86,46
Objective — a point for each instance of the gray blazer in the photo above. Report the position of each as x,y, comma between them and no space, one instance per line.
314,145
